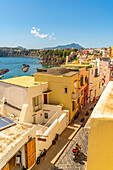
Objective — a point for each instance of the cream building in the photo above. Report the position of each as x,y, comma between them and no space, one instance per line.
100,143
14,145
22,94
27,102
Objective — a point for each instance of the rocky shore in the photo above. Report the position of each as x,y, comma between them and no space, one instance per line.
3,71
25,68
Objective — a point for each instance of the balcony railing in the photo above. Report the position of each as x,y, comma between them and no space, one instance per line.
76,95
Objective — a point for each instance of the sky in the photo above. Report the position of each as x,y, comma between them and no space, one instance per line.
47,23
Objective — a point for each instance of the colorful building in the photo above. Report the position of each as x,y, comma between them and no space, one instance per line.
95,84
106,70
93,88
111,52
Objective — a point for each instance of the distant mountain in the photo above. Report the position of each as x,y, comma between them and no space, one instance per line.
20,47
73,45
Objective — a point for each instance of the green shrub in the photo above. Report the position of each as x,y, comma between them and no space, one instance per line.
87,113
82,119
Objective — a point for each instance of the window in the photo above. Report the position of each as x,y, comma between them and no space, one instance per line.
73,106
111,74
104,72
95,93
81,81
86,79
37,103
46,115
99,85
81,92
78,100
96,72
34,119
75,84
92,71
65,90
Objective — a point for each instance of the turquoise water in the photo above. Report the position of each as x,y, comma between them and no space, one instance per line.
15,64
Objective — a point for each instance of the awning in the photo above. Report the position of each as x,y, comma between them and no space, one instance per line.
47,91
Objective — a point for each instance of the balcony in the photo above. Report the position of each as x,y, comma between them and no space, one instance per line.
76,95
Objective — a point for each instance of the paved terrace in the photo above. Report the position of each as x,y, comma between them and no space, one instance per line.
11,136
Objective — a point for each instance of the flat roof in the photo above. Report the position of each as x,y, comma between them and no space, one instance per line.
77,65
69,74
24,81
11,136
104,107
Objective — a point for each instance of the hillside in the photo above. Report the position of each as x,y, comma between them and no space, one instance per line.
73,45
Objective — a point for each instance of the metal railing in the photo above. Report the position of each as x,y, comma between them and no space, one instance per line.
49,122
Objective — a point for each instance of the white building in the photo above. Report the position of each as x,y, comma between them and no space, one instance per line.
24,100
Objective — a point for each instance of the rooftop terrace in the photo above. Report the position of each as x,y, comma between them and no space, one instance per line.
24,81
11,136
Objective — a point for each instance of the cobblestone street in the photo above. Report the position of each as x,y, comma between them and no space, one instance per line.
66,160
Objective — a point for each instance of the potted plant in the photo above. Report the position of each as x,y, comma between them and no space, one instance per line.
82,119
87,113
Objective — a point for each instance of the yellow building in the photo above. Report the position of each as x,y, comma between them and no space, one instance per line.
100,143
65,88
111,52
94,79
83,73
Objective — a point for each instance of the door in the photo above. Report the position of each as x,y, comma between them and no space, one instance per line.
30,153
45,98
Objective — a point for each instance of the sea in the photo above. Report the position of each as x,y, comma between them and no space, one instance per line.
15,64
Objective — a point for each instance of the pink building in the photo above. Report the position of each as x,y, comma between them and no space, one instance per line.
106,71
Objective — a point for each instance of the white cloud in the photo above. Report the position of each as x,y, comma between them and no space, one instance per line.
41,35
37,34
33,27
33,30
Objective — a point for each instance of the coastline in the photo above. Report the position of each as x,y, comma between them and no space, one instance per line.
15,65
23,57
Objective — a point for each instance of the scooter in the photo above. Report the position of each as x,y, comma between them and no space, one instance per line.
42,154
76,152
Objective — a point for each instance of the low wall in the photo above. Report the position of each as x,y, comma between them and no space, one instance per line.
57,126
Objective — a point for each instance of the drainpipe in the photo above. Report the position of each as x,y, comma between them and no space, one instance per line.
3,108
